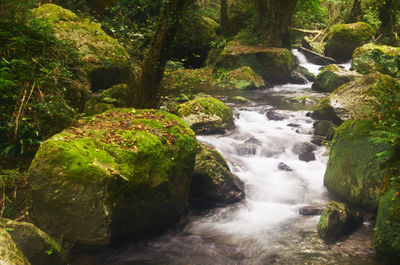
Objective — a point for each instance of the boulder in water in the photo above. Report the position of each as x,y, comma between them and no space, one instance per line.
206,115
345,38
336,220
332,77
303,148
354,170
316,58
371,58
307,157
324,128
276,116
282,166
213,182
355,99
117,175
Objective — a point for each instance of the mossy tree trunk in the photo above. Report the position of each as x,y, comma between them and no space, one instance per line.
388,13
224,18
274,18
355,12
146,90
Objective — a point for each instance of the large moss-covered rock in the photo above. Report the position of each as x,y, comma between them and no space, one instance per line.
371,58
9,253
274,65
117,95
37,246
345,38
206,115
336,220
116,175
243,78
387,229
332,77
356,98
104,60
194,38
354,170
213,181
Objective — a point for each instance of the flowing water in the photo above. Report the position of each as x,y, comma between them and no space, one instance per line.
265,228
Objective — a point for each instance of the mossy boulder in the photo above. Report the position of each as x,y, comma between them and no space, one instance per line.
371,58
356,98
345,38
116,95
274,65
324,128
206,115
336,220
105,61
194,38
243,78
332,77
120,174
387,228
38,247
354,170
213,182
9,253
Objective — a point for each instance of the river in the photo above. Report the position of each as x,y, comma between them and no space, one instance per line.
265,228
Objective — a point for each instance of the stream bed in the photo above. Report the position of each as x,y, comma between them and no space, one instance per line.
265,228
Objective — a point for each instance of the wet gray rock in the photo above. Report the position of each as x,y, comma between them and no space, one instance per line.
305,147
212,181
282,166
295,125
324,128
275,116
310,210
307,157
252,140
317,140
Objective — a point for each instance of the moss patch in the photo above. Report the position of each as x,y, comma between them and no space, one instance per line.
377,58
117,174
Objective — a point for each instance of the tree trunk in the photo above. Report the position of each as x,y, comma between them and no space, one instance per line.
388,12
224,18
355,12
274,18
146,91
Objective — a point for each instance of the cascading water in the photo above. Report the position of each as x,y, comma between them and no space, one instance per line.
265,228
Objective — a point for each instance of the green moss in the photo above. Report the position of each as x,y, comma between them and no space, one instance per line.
93,44
354,170
113,175
343,39
207,105
387,228
332,77
116,95
377,58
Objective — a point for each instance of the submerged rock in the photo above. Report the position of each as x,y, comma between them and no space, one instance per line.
206,115
371,58
354,170
272,64
213,182
345,38
311,210
38,247
332,77
336,220
307,156
9,253
276,116
282,166
120,174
